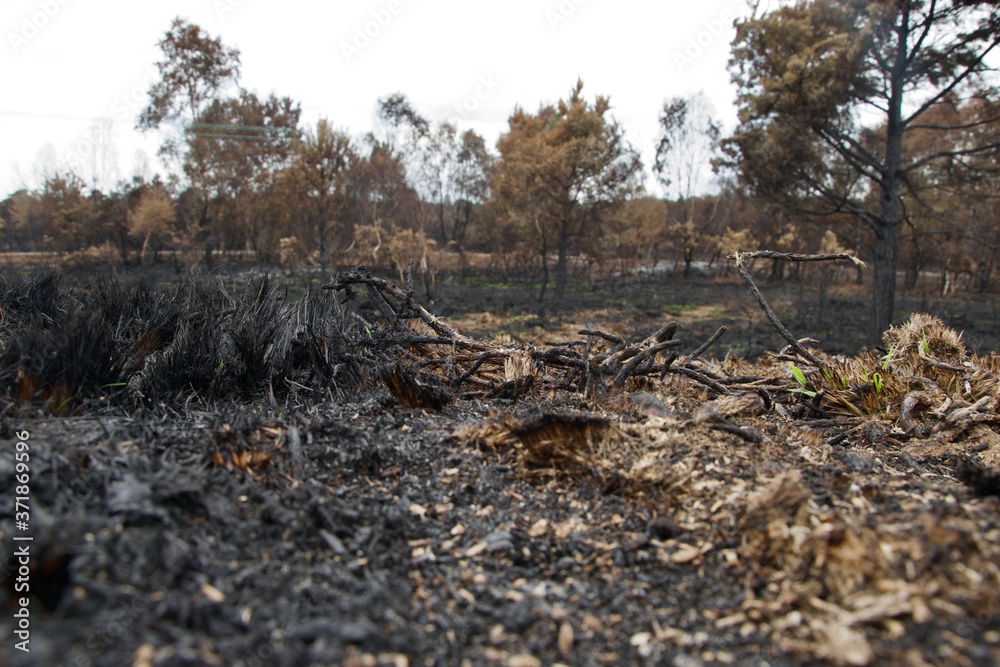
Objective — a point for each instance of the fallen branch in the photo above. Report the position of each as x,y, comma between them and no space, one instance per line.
378,288
478,363
798,257
741,266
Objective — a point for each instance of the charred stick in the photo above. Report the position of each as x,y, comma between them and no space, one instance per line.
766,397
798,257
641,356
558,356
585,380
818,410
698,377
433,340
666,365
748,434
748,379
610,337
661,336
388,312
359,275
665,333
741,266
704,346
843,435
475,367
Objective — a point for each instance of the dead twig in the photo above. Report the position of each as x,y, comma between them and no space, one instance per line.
748,434
618,341
698,377
741,266
647,353
704,346
472,371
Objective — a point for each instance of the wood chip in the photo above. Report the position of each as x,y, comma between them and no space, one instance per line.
476,549
539,528
212,593
565,639
685,553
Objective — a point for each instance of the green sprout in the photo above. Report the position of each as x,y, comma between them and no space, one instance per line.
801,379
888,357
877,382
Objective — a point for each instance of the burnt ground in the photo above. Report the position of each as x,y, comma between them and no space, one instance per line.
351,529
376,534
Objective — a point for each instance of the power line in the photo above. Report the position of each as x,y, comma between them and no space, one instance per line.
28,114
259,132
188,127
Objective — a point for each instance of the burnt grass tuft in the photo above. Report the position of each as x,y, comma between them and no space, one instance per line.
123,345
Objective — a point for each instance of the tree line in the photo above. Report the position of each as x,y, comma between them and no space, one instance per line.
868,125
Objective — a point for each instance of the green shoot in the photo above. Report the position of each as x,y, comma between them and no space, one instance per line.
113,384
877,382
887,358
801,379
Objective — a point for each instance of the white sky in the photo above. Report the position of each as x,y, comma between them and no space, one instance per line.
65,64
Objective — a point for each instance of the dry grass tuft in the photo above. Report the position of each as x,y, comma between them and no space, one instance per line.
924,335
558,441
415,391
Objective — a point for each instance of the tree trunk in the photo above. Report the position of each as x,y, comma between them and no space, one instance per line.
887,224
320,238
444,232
145,246
545,268
562,261
884,289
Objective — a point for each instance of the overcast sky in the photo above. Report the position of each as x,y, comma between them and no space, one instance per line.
66,64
